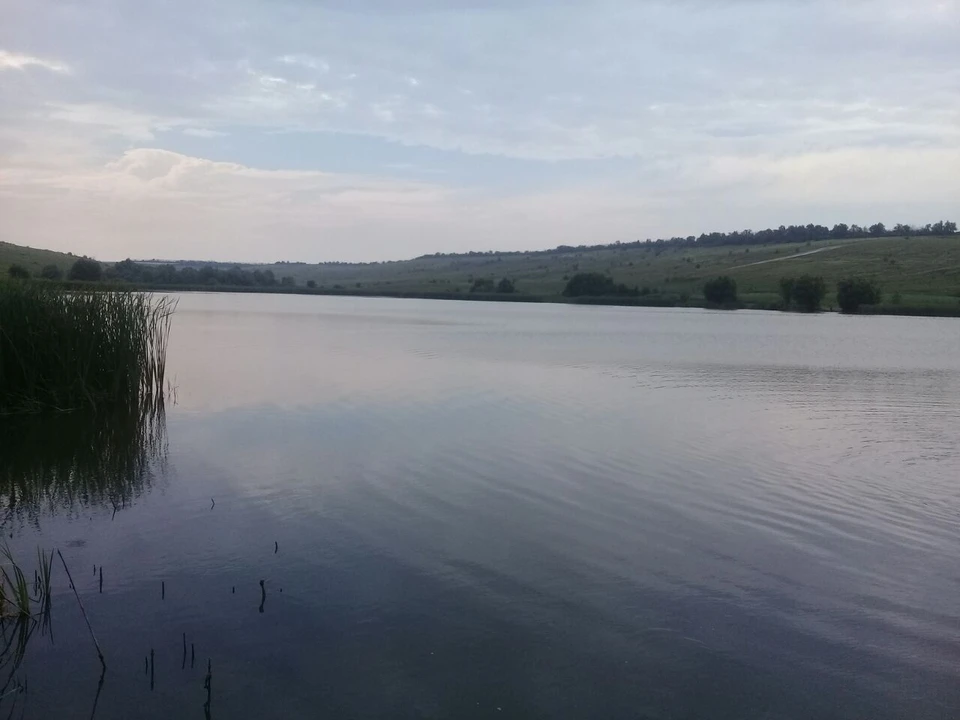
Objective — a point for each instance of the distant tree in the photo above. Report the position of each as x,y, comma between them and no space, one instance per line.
878,230
482,285
595,284
288,281
506,286
311,284
854,292
840,231
51,272
950,227
18,272
85,269
720,290
786,291
808,293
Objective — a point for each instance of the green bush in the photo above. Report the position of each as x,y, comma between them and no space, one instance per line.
18,272
808,293
86,269
51,272
593,284
720,291
854,292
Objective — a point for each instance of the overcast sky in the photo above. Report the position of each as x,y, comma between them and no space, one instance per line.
357,130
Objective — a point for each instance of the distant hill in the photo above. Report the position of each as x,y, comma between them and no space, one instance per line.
924,271
32,259
916,272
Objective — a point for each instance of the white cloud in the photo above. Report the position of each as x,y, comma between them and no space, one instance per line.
203,132
18,61
150,203
582,122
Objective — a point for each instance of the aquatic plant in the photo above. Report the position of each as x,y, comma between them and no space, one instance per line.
64,350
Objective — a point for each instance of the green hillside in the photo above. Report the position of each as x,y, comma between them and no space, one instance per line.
32,259
923,270
913,273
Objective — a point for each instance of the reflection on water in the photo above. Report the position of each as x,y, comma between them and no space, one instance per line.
58,461
411,509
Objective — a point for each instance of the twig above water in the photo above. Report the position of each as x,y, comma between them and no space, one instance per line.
82,611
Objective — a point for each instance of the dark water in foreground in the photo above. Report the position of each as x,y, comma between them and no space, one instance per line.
500,511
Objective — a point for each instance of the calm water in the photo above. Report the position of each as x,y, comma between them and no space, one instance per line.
476,510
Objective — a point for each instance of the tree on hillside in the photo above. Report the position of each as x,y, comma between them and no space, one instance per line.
786,291
51,272
482,285
808,293
18,272
506,286
854,292
86,269
720,291
878,230
596,284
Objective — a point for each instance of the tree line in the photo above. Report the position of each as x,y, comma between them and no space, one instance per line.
805,293
89,270
771,236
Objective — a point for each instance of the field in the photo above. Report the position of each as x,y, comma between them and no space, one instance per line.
915,271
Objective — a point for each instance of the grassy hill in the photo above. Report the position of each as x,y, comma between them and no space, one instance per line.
923,271
32,259
914,273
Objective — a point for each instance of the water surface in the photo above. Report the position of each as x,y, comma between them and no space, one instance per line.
478,510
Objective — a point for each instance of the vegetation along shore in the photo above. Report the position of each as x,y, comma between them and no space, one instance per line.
901,270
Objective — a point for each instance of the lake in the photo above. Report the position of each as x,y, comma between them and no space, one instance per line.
478,510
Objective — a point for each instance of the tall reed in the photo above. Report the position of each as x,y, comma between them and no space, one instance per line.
65,349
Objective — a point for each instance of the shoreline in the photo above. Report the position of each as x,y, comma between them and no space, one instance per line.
653,301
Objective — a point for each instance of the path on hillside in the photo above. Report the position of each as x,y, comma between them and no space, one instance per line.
788,257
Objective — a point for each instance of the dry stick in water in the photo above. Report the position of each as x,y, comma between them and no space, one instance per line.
82,611
163,590
207,686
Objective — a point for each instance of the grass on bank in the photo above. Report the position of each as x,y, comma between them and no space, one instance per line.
64,350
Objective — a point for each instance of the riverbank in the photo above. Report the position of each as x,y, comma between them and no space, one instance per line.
653,300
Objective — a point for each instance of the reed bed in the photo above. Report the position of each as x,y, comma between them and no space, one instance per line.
65,349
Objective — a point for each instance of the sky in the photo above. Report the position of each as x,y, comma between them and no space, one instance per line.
362,130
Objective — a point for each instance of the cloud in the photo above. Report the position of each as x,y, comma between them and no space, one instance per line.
203,133
622,118
18,61
156,203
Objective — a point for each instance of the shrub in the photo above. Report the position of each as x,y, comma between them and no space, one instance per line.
482,285
18,272
596,285
854,292
808,293
86,269
786,291
506,286
720,290
51,272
